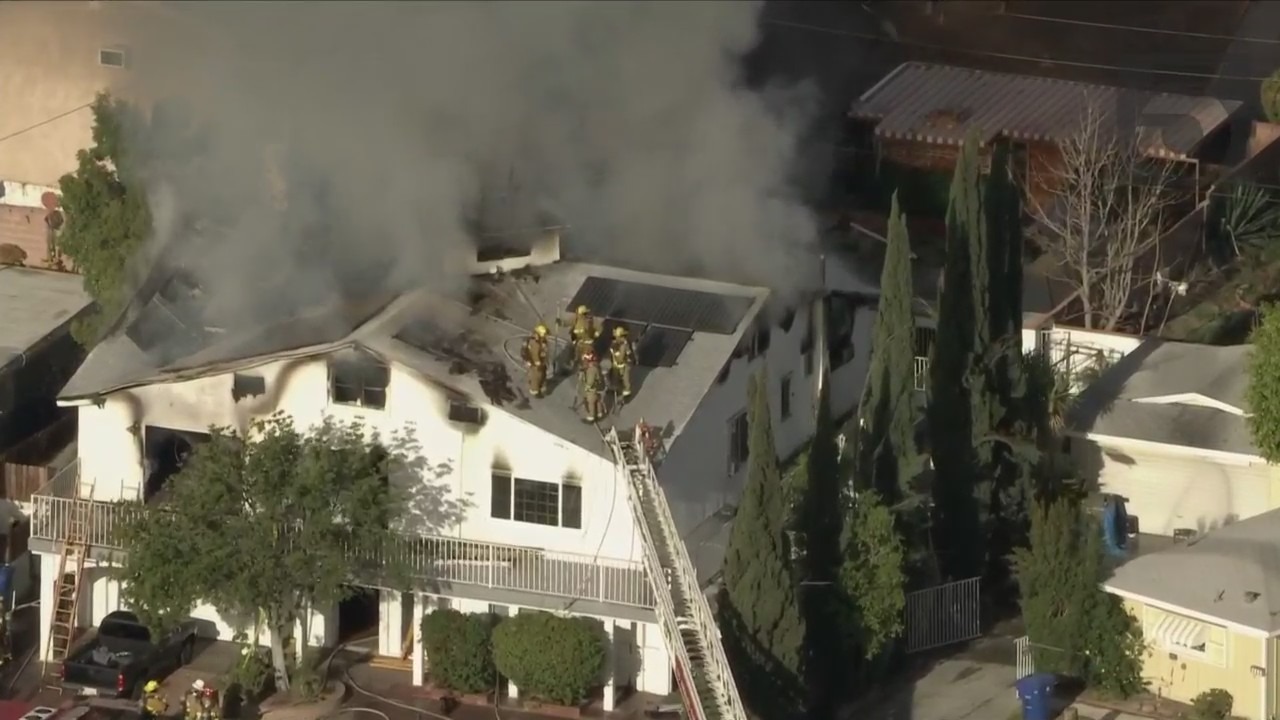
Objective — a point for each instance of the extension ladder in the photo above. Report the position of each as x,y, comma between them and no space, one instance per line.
66,589
693,639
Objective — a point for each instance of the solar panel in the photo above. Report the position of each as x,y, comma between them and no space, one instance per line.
694,310
661,346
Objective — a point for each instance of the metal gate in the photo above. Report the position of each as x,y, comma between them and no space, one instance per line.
943,615
1026,661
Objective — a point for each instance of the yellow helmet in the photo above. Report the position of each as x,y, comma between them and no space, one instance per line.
583,309
151,686
540,330
619,332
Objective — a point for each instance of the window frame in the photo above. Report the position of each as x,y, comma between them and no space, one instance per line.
504,493
364,366
784,397
736,460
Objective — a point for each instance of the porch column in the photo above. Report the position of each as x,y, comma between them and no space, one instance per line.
610,668
419,652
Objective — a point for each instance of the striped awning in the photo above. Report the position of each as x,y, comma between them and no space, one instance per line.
1179,632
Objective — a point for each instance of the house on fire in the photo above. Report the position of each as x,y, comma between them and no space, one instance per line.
547,523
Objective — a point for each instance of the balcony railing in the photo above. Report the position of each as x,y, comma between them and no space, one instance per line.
426,559
922,373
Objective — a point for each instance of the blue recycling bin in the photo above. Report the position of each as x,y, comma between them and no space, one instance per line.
1036,694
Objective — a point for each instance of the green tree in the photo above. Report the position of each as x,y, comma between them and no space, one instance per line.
1270,96
1264,384
872,583
818,533
759,614
958,518
1076,627
887,459
549,657
107,216
267,527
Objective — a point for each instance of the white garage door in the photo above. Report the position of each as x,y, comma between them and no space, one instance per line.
1167,493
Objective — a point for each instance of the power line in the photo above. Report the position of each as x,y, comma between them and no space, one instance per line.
1008,56
1132,28
44,122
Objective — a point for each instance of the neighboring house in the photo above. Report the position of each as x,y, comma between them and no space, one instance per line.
1166,427
1210,614
548,523
919,115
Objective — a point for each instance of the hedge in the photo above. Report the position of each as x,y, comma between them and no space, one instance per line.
459,650
551,658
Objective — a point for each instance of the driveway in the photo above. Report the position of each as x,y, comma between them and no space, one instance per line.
973,684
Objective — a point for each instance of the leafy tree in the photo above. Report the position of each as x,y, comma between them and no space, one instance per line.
1264,384
953,374
460,647
107,216
1077,628
759,615
1270,92
887,459
266,527
549,657
818,534
872,578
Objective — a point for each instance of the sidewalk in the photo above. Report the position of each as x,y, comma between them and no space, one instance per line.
1091,712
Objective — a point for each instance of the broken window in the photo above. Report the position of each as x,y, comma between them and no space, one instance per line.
841,313
739,442
244,385
358,380
784,396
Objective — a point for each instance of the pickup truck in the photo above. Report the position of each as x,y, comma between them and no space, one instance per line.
122,656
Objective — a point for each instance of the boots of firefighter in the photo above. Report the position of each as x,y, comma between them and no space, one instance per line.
623,374
594,405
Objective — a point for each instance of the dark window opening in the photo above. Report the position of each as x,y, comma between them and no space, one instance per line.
923,341
841,310
500,496
784,396
244,385
760,343
359,380
166,452
534,501
788,319
494,253
571,506
739,442
466,413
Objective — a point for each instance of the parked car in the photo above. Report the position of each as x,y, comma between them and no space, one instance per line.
122,656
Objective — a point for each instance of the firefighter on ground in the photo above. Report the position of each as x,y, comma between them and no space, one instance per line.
592,387
210,704
193,701
582,332
153,702
537,355
621,357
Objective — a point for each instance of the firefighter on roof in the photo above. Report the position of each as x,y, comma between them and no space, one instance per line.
621,357
592,387
536,355
153,703
582,332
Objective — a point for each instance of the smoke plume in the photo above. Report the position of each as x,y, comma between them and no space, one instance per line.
331,144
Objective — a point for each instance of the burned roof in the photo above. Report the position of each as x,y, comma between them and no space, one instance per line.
941,104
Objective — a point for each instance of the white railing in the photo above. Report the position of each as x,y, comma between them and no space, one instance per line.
944,615
422,557
922,373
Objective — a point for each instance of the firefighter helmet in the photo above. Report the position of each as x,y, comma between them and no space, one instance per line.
619,332
151,686
583,309
540,330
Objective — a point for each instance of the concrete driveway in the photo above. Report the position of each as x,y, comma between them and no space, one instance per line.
975,683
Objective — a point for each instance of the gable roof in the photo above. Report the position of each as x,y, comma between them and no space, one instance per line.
1113,405
472,348
942,104
1211,575
34,304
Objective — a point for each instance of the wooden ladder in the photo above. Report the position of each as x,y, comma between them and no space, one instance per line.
66,590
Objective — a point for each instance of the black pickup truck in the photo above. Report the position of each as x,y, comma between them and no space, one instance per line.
122,656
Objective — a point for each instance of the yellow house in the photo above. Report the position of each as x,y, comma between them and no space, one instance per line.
1209,610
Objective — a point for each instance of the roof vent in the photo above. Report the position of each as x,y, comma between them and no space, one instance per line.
1250,596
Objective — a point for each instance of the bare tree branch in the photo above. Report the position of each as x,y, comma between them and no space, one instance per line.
1100,210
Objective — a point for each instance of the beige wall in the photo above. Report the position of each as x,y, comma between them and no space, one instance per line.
1226,663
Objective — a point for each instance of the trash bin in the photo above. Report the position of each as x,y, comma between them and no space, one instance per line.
1036,694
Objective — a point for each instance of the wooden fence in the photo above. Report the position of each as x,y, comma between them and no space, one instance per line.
19,482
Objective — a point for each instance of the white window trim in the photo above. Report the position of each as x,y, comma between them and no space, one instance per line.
1201,656
511,503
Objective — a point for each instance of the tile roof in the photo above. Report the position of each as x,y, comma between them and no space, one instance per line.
942,104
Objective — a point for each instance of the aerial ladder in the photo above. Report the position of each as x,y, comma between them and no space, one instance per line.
702,672
66,588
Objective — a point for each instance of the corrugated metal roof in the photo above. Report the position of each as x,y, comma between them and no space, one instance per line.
941,104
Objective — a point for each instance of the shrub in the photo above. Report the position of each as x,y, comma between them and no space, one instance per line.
459,650
1212,704
552,658
11,254
1270,97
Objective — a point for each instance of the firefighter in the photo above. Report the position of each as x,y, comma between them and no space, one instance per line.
191,701
582,332
592,387
153,702
621,357
536,356
210,707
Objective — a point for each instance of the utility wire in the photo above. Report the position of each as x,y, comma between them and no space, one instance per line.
44,122
1132,28
1008,56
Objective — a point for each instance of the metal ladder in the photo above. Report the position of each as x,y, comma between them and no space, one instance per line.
66,589
693,639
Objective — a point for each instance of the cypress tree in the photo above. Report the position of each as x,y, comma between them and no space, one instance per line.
759,613
957,519
887,458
